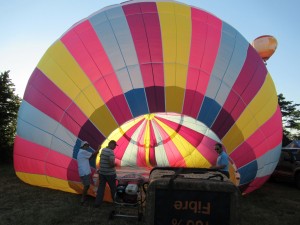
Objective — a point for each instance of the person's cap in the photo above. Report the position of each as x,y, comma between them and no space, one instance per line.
84,143
113,142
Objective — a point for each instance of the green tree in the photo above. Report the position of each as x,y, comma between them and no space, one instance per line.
9,106
290,120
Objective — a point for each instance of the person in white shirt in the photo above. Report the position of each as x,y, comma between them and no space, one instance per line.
84,169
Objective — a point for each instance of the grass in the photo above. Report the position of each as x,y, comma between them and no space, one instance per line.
23,204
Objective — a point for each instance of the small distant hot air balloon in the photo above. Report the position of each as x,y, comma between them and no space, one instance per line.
265,46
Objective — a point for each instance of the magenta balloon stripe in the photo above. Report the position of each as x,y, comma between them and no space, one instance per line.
143,21
152,157
265,138
45,96
123,141
273,126
141,156
254,85
43,161
248,72
206,36
36,154
84,45
255,184
245,88
24,164
144,25
50,100
194,94
174,156
235,104
194,138
205,148
242,101
61,167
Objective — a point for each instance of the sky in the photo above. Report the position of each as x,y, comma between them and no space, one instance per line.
29,27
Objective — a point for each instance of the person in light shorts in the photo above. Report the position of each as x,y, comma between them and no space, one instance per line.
84,169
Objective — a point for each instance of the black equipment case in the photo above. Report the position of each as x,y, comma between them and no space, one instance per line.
190,196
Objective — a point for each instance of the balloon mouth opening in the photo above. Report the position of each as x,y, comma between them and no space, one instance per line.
164,130
158,129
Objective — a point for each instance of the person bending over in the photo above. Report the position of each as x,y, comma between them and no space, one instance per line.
84,169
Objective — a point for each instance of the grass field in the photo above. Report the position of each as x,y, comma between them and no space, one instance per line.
23,204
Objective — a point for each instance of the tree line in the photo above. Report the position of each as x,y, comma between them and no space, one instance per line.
9,107
10,103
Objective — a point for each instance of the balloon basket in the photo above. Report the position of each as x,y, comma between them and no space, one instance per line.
191,196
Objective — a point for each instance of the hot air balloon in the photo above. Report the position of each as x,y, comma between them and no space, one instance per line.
265,46
165,80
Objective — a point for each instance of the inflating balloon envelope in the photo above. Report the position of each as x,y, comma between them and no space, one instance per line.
165,80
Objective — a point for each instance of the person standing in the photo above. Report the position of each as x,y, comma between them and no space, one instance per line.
84,169
222,160
107,172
